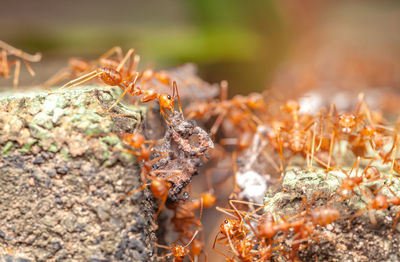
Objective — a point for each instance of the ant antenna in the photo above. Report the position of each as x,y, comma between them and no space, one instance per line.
175,87
191,240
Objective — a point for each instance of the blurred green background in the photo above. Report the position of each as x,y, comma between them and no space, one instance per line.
244,42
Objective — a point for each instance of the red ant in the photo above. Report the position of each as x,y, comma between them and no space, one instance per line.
114,78
178,251
235,110
78,66
6,65
380,202
296,136
158,186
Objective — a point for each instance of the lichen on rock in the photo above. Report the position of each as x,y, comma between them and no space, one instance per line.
353,237
61,173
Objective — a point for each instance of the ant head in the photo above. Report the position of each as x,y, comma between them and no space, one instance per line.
166,102
227,226
179,252
255,101
347,121
291,106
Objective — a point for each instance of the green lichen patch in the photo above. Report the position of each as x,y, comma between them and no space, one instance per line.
7,148
65,120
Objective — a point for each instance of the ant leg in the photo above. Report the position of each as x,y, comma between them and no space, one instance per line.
270,160
396,219
116,49
165,116
17,70
164,155
280,145
224,90
127,90
236,188
59,76
123,61
217,124
6,72
392,167
28,66
132,67
18,52
312,147
164,199
226,211
215,241
331,149
131,193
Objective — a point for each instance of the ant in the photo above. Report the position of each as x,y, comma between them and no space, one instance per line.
5,64
380,202
79,66
161,76
235,110
184,214
143,149
295,136
113,77
235,229
179,251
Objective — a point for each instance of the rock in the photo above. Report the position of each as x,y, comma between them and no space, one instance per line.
58,186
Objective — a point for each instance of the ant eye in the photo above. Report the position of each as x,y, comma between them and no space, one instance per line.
169,97
182,256
226,221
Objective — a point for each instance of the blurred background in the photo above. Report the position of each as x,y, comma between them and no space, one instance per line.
290,47
244,43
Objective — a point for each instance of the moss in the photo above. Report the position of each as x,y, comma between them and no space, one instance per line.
65,154
7,148
44,120
53,148
26,148
38,132
111,140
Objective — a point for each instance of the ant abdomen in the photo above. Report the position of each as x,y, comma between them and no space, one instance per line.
110,76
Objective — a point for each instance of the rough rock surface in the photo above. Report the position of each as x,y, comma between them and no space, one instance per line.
346,239
58,186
